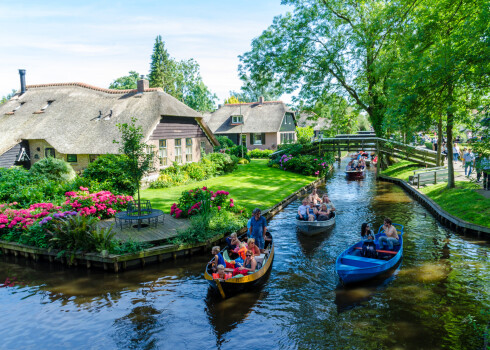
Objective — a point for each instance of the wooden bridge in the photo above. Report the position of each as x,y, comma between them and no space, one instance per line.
369,142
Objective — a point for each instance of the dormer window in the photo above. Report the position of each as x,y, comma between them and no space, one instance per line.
44,108
16,108
237,119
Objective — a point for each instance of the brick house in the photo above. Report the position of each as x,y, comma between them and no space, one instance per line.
262,124
77,122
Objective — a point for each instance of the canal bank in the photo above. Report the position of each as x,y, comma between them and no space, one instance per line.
116,263
436,298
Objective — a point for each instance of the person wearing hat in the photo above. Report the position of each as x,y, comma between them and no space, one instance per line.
258,225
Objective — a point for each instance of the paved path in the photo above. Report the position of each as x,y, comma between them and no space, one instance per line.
167,229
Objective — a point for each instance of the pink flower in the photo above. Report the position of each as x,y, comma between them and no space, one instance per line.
231,204
318,172
219,208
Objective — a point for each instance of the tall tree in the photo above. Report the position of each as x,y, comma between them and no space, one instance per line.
162,68
127,82
337,46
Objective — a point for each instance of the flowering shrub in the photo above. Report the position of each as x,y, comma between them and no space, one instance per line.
102,204
201,199
305,164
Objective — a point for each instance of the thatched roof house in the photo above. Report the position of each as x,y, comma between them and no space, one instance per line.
70,119
262,124
317,123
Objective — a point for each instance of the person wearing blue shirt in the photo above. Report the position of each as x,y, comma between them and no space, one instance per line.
258,225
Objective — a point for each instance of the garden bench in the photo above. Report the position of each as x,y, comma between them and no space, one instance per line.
429,176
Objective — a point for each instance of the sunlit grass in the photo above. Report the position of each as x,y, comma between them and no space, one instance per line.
401,170
252,185
462,201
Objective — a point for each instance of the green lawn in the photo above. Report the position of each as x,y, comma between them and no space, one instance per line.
252,185
401,170
462,201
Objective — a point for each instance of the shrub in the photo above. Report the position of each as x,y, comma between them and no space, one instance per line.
200,200
111,172
224,142
73,233
128,247
53,169
260,153
243,161
223,163
196,171
238,151
305,164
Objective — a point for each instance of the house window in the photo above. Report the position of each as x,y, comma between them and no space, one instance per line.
287,137
237,119
71,158
243,140
257,139
188,150
162,152
178,151
49,152
203,148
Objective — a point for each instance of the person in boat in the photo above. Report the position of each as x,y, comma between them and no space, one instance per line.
314,197
368,249
391,238
361,164
232,242
252,247
323,213
312,212
249,265
258,228
241,250
350,166
303,211
326,200
219,260
366,231
221,275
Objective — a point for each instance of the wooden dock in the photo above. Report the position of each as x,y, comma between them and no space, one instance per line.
165,229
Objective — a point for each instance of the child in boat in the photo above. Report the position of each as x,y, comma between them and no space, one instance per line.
221,275
312,212
242,250
303,211
219,260
232,242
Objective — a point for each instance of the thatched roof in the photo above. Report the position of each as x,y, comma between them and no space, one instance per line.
257,117
311,119
71,123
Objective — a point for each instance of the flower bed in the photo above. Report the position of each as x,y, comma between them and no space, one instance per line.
304,164
201,199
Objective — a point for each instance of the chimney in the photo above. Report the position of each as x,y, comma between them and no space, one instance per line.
22,73
261,99
143,84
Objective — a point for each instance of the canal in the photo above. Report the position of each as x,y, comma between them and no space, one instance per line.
435,299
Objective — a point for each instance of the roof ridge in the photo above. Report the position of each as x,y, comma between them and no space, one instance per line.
88,86
251,103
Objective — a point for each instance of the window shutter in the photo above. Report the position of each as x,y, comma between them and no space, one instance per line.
251,138
263,138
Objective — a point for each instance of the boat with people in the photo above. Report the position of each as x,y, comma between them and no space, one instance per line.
354,174
310,228
233,283
358,263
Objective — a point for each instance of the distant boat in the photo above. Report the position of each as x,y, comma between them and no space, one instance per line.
352,267
354,174
310,228
236,285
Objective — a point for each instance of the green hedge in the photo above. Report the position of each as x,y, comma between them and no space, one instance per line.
260,153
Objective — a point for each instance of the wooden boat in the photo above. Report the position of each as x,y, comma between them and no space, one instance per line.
236,285
352,267
310,228
354,174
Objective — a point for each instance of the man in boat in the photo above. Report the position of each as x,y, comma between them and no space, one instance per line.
391,235
314,197
258,228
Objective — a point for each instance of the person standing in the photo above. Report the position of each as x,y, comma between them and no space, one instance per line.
485,165
469,159
455,152
258,227
478,159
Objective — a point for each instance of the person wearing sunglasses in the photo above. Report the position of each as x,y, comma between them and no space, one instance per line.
249,265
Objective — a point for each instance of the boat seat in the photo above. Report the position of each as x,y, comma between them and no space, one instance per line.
380,251
260,258
360,261
347,267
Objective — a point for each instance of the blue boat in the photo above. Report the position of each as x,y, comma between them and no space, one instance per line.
352,267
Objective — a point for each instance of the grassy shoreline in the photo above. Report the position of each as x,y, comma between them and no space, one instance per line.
252,185
462,201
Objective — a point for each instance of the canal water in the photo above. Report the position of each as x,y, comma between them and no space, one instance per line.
437,298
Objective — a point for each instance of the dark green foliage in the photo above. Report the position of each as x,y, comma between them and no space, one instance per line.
260,153
112,173
73,233
238,151
128,247
8,97
53,169
224,142
223,162
127,82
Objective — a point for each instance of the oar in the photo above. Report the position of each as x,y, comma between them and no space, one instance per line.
220,288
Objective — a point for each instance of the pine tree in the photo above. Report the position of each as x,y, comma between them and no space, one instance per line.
162,68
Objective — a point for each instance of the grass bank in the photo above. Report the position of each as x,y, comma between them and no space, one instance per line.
462,201
252,185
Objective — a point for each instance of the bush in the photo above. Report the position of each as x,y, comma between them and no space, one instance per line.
260,153
200,200
237,151
224,142
429,145
306,164
223,163
243,161
53,169
111,172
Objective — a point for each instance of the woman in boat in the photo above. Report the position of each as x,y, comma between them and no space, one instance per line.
221,275
350,166
326,200
249,265
312,212
366,231
323,213
361,164
252,247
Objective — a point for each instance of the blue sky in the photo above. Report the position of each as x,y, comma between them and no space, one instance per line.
97,41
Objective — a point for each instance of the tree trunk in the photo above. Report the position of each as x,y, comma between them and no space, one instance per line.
450,121
439,142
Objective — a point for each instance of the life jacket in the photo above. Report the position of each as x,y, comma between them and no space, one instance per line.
242,252
369,250
216,276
